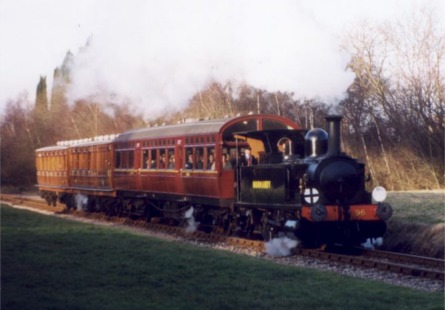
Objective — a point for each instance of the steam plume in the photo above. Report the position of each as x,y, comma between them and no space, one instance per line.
372,243
81,201
192,225
161,56
280,246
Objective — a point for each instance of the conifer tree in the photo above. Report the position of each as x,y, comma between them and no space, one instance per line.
41,113
61,80
41,105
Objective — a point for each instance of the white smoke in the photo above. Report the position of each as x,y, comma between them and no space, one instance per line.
372,243
157,55
81,201
192,225
280,246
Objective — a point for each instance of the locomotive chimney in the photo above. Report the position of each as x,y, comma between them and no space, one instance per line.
333,122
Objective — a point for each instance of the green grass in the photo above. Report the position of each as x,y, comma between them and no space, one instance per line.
50,263
418,207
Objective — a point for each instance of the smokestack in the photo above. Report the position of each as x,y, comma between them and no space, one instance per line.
334,122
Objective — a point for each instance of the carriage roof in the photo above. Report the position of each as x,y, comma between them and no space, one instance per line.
203,127
185,129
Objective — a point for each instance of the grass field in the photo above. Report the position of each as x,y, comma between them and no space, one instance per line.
418,223
426,207
50,263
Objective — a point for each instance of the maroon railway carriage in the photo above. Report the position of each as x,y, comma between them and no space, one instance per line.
177,166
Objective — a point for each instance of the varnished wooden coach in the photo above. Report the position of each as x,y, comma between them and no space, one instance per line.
53,177
75,167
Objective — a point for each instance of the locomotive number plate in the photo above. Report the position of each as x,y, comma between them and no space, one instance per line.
261,184
360,212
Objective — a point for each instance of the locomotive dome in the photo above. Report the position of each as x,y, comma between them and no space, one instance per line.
316,142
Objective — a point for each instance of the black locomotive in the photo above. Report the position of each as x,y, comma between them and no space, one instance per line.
306,171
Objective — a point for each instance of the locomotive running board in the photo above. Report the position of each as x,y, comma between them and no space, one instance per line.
290,207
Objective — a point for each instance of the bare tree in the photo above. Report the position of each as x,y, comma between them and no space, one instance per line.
215,101
399,88
17,144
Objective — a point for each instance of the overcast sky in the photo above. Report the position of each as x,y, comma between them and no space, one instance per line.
159,53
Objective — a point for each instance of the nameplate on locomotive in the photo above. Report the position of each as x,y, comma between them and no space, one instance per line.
261,184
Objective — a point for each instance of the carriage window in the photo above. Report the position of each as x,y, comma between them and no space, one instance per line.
200,160
163,160
130,159
124,159
230,154
210,162
145,159
189,158
153,158
247,125
171,159
273,124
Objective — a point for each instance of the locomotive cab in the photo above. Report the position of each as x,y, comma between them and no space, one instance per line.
275,146
273,181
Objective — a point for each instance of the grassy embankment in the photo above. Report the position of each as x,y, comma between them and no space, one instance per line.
418,223
50,263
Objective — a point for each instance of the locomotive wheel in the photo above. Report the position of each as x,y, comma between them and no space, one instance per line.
91,204
229,224
206,224
48,200
70,203
114,209
267,231
148,214
54,200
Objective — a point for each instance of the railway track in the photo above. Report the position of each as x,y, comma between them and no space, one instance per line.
412,265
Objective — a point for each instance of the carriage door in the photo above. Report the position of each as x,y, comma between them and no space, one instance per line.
137,164
179,164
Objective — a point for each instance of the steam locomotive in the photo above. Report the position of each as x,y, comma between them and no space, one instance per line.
299,183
